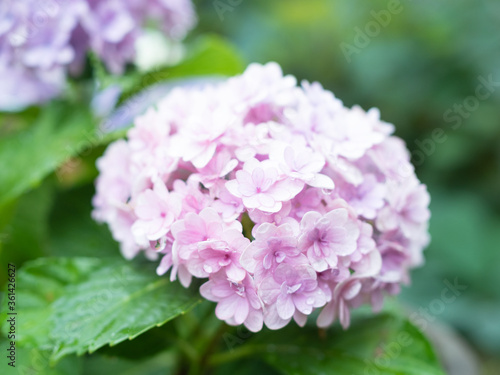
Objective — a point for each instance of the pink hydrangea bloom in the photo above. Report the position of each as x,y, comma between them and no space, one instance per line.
325,237
155,210
272,246
366,198
284,199
237,302
407,209
203,236
301,163
259,185
291,291
224,253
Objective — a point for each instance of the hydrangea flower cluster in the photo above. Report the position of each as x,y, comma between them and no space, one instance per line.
42,40
338,215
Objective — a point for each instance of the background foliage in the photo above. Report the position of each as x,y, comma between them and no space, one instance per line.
427,59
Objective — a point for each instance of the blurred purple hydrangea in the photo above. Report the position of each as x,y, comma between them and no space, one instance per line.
42,40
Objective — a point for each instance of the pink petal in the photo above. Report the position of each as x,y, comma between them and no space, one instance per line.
226,308
232,187
235,273
327,315
300,319
254,320
241,311
285,306
321,181
273,320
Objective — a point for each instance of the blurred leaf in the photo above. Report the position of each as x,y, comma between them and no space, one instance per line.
385,345
464,247
73,232
11,123
490,366
457,150
24,234
161,364
81,170
61,131
146,345
38,284
86,303
246,367
31,361
207,56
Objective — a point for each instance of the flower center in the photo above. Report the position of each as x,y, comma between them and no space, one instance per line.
293,288
238,288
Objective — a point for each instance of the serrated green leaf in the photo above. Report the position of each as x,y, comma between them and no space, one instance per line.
38,284
77,305
383,345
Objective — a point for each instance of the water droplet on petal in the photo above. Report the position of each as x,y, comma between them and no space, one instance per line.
327,191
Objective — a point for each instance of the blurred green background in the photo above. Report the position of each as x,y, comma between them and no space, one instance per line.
422,61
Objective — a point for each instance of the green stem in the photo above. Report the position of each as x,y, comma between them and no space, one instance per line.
208,347
232,355
198,335
187,349
195,369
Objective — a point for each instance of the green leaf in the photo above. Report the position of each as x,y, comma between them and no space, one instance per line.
207,56
32,361
246,367
383,345
60,132
24,232
38,284
146,345
161,364
73,232
77,305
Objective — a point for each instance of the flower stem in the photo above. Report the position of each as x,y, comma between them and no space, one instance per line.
232,355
